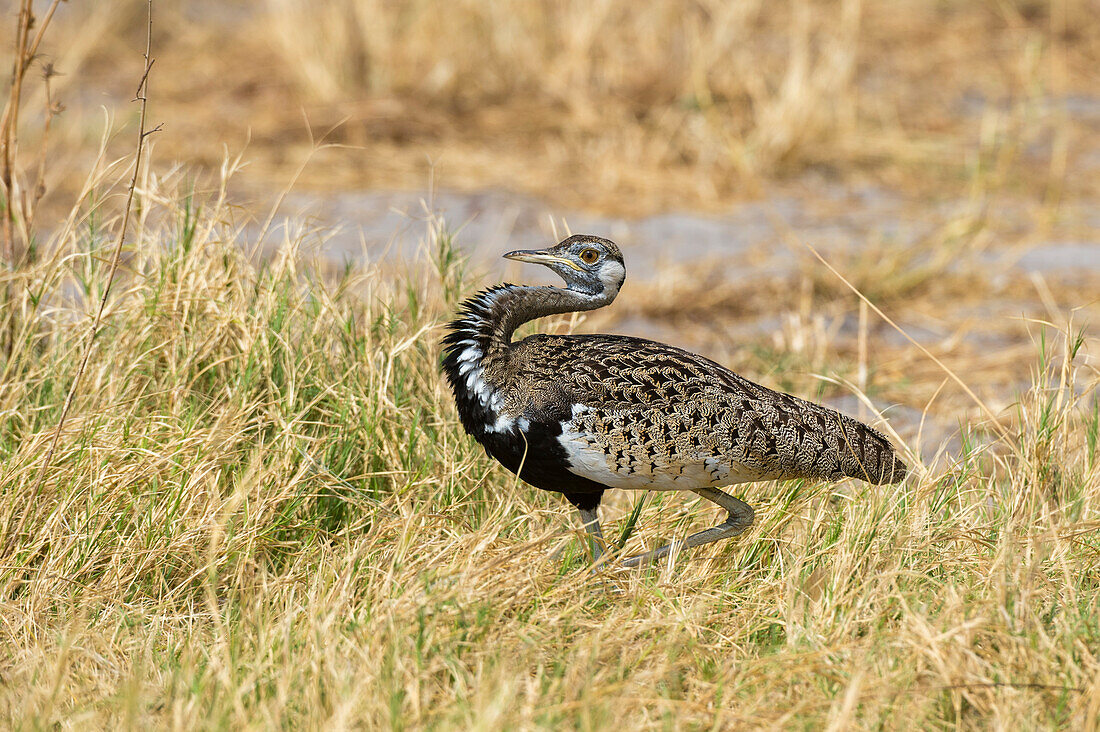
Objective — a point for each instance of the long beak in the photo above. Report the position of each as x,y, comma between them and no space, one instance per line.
540,257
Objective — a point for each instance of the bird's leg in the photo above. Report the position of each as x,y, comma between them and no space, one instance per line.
740,518
590,519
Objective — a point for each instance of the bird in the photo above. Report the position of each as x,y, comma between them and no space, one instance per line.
581,414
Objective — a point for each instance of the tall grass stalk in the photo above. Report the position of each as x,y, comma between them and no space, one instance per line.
142,98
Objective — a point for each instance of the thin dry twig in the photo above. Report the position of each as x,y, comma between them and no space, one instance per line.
25,50
52,110
141,97
23,54
9,126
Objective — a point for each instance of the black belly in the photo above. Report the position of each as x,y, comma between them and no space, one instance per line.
538,458
535,455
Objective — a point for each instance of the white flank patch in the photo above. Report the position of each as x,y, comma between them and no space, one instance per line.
588,460
504,423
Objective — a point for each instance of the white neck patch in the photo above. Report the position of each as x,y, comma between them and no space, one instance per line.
473,373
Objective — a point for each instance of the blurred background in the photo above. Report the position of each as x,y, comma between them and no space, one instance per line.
611,106
943,156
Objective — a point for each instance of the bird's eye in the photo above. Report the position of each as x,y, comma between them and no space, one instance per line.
588,256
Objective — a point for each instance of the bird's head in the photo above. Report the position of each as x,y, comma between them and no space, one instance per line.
589,264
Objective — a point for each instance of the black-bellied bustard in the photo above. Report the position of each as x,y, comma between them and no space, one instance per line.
583,413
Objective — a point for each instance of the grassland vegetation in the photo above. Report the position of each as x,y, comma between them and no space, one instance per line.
262,511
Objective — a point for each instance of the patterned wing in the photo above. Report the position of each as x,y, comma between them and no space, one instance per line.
646,415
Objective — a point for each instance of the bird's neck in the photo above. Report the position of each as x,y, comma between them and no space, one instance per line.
488,319
479,340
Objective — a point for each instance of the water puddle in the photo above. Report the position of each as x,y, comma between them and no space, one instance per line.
772,233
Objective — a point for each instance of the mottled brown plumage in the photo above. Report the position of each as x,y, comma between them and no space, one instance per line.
654,410
579,414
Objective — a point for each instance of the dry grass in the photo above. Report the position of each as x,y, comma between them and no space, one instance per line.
263,513
612,105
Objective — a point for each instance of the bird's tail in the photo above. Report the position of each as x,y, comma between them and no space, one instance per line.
868,455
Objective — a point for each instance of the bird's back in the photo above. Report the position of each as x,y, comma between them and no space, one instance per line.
635,414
